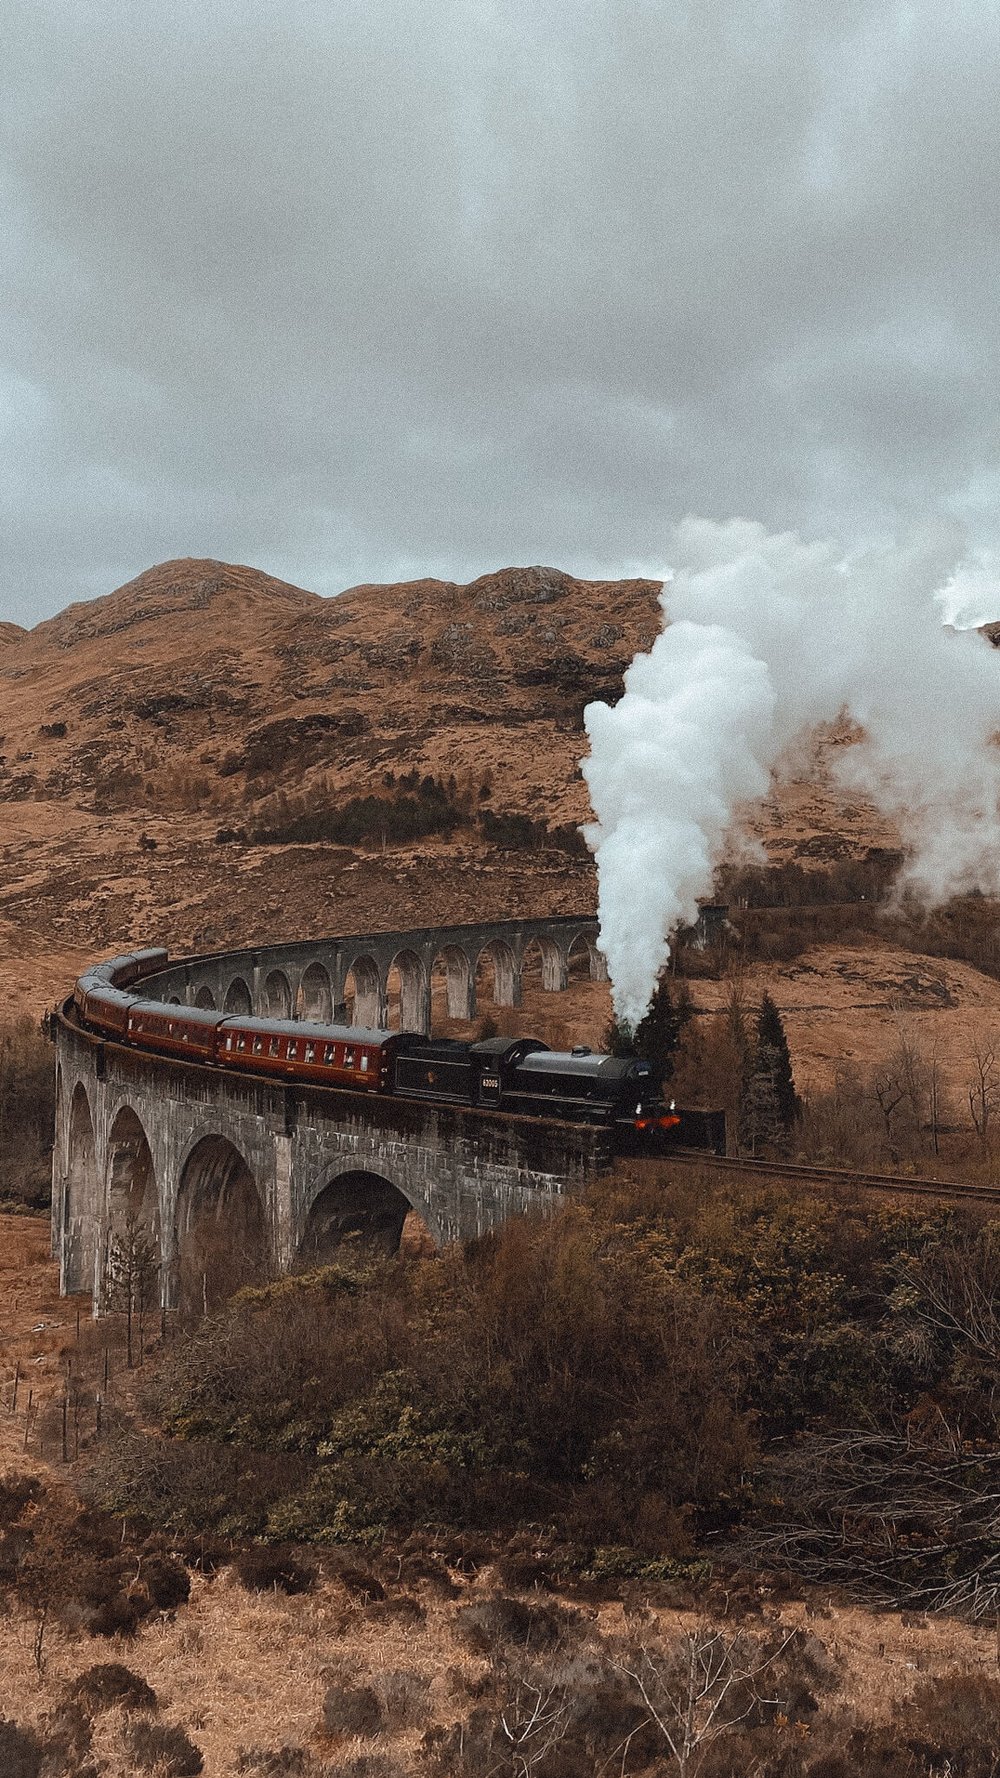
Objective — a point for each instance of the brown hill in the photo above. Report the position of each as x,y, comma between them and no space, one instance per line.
200,667
205,698
201,694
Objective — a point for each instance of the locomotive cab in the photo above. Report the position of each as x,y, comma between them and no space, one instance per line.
461,1073
494,1058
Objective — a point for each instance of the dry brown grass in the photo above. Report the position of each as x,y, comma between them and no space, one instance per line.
241,1671
38,1328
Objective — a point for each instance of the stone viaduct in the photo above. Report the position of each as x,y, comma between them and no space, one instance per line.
177,1182
334,978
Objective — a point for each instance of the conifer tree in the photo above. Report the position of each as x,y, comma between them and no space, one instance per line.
769,1105
771,1035
619,1038
760,1129
659,1030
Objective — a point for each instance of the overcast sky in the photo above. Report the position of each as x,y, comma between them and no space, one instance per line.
368,289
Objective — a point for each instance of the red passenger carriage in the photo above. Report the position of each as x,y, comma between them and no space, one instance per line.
329,1055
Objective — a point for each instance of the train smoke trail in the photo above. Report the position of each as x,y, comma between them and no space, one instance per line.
764,637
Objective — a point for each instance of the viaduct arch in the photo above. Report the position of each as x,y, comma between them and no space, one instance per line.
227,1179
355,978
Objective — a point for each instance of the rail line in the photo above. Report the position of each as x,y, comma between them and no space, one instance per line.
916,1187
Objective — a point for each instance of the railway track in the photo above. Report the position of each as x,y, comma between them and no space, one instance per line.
844,1176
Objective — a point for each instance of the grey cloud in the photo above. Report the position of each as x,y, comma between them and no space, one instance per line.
367,290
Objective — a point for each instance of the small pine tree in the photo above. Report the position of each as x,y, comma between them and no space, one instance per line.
760,1127
658,1032
771,1035
619,1038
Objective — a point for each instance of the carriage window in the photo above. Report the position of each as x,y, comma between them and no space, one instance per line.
258,1046
241,1043
229,1043
274,1047
348,1058
310,1052
293,1050
330,1053
364,1064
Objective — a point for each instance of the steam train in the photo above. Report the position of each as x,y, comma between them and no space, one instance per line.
519,1075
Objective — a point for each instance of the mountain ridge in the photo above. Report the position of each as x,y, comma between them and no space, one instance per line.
150,737
139,726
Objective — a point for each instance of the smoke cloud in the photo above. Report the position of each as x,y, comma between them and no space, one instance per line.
765,636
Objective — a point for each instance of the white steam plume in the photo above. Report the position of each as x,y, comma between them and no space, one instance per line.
764,637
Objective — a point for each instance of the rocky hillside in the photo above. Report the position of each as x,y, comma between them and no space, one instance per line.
194,759
205,699
249,685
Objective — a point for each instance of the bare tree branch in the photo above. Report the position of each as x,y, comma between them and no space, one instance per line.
702,1686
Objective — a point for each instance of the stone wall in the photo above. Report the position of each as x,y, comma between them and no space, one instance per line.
153,1153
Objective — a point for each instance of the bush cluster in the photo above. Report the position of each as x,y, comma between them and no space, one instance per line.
778,911
520,833
869,879
554,1371
643,1375
64,1561
720,1698
62,1744
397,818
409,807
